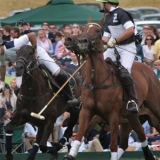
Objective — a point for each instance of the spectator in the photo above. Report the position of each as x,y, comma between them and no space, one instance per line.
63,54
73,65
11,70
67,29
1,31
58,42
75,29
30,132
15,32
24,27
8,98
44,42
6,33
53,28
7,117
29,25
13,84
153,136
156,54
6,37
146,31
147,128
154,32
47,32
148,50
139,55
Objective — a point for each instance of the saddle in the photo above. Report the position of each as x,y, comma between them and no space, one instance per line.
51,79
115,65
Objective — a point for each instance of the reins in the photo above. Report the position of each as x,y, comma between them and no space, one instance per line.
29,70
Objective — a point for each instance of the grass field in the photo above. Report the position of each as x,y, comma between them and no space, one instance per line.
135,155
8,79
6,6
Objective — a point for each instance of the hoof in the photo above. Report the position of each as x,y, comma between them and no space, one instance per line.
68,157
58,146
156,158
9,157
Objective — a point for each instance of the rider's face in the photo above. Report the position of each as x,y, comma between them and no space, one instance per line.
106,6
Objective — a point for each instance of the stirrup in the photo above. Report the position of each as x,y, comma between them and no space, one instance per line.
134,108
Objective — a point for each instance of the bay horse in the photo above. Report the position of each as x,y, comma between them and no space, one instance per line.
102,95
35,92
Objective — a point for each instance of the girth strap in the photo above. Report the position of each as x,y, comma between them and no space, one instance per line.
102,86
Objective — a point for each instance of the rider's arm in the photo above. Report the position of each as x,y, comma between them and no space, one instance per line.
126,34
32,38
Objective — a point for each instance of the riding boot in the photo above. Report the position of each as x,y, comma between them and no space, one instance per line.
127,83
61,78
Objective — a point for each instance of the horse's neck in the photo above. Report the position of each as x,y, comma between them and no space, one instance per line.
32,83
97,69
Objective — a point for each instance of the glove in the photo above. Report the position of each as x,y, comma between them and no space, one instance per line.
111,43
105,46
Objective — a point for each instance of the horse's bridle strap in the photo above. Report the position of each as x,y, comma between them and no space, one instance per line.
30,98
102,86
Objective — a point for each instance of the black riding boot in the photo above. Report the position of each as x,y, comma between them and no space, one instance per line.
127,83
61,78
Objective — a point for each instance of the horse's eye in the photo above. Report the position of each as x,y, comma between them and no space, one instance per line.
97,30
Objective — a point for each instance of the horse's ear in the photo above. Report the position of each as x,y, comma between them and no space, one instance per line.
89,19
100,22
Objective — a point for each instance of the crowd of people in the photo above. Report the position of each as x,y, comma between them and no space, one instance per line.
51,39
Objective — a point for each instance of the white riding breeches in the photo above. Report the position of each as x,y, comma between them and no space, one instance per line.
127,54
45,59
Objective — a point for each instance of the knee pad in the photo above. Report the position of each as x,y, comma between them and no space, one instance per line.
124,75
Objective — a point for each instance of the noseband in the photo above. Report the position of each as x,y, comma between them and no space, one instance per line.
26,64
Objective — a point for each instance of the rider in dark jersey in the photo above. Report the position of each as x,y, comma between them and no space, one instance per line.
119,32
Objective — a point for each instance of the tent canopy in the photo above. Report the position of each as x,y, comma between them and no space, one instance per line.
57,12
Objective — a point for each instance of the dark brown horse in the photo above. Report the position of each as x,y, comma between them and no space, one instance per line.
35,92
102,94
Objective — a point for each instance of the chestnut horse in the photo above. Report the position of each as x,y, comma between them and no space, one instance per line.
102,95
35,92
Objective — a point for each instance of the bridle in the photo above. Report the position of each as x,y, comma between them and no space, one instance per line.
94,48
92,41
29,67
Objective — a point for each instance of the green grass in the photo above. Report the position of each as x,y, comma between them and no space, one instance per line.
8,79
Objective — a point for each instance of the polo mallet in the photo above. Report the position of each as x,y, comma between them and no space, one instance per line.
39,116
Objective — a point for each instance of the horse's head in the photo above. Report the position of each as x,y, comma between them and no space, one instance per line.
71,43
91,39
25,58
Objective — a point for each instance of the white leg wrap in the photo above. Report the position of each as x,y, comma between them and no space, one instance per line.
114,156
45,59
74,149
19,81
144,144
120,152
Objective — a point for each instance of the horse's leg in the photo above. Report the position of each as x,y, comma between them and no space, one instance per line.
154,122
35,148
113,123
16,120
47,130
124,131
136,126
74,114
84,118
